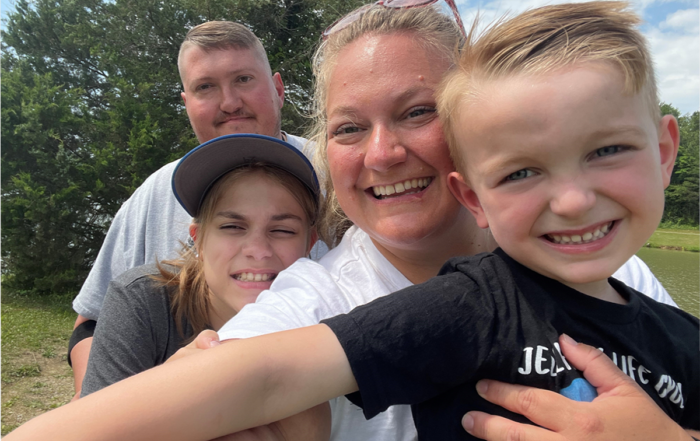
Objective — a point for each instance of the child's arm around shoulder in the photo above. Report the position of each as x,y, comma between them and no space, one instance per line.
229,388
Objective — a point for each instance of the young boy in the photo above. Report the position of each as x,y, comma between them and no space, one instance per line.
554,128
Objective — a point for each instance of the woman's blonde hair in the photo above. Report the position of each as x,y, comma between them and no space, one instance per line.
431,29
189,298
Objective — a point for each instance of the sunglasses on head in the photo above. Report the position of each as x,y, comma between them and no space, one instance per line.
345,21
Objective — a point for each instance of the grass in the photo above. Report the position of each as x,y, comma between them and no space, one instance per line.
675,239
35,374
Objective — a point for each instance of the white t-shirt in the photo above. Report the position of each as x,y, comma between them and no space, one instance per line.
350,275
150,225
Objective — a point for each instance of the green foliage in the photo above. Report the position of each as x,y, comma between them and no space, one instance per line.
91,106
682,194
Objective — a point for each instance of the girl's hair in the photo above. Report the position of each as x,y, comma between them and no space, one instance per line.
431,30
189,300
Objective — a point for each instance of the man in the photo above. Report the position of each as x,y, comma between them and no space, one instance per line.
228,88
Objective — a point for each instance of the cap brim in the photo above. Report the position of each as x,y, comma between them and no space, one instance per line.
199,169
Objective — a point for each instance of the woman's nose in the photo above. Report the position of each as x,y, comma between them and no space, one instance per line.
384,149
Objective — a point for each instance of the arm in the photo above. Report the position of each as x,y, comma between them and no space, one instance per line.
79,350
621,411
310,425
275,376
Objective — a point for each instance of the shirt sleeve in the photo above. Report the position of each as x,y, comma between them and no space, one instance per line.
409,346
126,340
150,225
636,274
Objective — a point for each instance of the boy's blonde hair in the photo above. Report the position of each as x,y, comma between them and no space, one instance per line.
543,40
432,30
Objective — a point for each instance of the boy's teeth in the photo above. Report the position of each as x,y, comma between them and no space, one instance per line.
586,237
401,187
254,277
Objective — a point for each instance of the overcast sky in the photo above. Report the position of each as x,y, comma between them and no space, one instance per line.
671,26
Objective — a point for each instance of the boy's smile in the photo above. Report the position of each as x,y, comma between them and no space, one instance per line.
567,171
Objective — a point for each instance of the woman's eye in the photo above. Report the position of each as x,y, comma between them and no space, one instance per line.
345,130
609,150
231,227
520,174
420,111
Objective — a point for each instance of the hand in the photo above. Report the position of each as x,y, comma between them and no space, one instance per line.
205,340
621,411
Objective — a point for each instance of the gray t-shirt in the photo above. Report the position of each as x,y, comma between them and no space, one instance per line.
136,330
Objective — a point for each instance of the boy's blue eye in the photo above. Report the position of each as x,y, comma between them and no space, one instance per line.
520,174
608,150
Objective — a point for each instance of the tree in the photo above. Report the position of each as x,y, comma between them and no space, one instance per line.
91,106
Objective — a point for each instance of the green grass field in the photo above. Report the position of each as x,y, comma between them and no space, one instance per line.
35,374
685,240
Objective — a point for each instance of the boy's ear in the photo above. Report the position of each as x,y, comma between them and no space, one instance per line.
467,197
669,140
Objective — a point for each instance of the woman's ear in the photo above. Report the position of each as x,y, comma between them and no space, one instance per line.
467,197
313,237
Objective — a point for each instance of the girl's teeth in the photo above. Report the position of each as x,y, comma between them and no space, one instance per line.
589,236
401,187
254,277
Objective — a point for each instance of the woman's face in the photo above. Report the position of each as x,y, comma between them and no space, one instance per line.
384,136
257,230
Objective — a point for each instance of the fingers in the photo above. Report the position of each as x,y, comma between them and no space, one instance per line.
206,339
494,428
542,407
598,369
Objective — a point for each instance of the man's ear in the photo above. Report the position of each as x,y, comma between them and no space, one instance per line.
184,98
313,237
466,196
669,140
279,87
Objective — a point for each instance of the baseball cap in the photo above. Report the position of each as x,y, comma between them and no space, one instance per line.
199,169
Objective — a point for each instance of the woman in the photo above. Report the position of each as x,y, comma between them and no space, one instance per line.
377,131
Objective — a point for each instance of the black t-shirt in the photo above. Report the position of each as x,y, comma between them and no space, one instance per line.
487,316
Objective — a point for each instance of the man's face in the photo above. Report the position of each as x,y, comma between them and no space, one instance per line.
230,91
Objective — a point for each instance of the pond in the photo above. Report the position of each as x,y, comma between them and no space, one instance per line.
679,272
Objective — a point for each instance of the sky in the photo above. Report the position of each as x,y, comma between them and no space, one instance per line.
672,28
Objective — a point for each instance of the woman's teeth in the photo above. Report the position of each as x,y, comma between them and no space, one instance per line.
252,277
586,237
401,188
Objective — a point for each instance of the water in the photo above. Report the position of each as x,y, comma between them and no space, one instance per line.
679,272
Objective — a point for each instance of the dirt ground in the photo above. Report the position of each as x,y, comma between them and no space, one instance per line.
35,383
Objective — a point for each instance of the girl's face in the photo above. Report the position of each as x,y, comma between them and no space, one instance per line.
387,154
258,229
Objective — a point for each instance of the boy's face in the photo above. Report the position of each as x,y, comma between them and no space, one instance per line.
566,170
